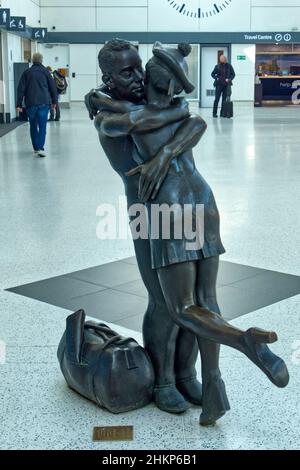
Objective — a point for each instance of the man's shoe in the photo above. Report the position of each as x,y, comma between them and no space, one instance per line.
41,153
50,119
191,390
57,120
167,398
215,115
36,153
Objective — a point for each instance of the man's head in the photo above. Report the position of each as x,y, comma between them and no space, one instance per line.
122,70
223,59
37,58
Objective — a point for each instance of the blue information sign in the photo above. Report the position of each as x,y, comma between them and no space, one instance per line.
39,34
4,17
17,23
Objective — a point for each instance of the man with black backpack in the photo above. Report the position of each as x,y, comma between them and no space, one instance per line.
61,87
223,74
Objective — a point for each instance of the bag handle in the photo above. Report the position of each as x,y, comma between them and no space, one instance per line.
101,328
117,339
75,338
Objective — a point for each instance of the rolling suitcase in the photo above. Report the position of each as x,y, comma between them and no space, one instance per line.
227,110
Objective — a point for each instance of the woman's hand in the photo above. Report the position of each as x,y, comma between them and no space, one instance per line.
152,175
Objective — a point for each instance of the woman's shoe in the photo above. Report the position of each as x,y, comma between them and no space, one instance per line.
215,401
258,352
191,389
167,398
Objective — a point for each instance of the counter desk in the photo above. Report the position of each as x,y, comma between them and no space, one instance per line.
280,88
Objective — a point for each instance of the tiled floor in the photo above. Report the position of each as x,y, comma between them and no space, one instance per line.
48,228
115,293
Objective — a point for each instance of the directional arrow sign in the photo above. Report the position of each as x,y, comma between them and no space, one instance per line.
17,23
4,16
39,34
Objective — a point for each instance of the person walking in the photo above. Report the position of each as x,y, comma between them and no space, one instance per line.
38,88
223,74
61,88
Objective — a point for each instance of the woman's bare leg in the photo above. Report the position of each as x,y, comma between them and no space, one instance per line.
178,284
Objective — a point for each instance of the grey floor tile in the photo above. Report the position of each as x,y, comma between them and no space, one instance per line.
131,260
235,302
56,290
110,305
274,286
229,273
134,323
134,287
108,275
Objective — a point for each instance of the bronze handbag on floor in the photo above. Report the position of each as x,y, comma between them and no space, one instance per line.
113,371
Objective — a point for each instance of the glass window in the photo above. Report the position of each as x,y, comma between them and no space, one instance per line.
193,63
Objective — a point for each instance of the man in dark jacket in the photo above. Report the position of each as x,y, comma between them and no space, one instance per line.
39,90
223,74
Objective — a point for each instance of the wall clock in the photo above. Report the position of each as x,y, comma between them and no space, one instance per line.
200,8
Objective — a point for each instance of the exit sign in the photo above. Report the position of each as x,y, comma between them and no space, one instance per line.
241,57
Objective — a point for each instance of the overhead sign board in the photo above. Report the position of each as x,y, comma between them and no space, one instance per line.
39,34
176,36
4,16
17,23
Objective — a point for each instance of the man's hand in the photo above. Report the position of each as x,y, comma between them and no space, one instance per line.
152,175
96,101
53,106
90,104
19,110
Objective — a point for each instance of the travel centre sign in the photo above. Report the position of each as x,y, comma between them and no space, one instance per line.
271,37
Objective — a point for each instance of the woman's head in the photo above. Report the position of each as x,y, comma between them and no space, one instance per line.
168,70
161,78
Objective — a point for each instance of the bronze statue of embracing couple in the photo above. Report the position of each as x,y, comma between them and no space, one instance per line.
148,134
